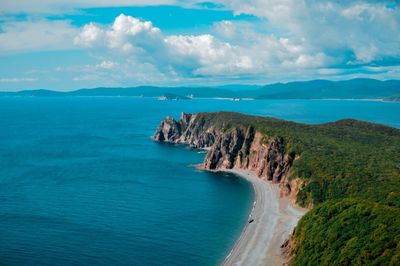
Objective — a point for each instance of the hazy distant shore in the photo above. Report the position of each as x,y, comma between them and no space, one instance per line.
274,220
353,89
160,98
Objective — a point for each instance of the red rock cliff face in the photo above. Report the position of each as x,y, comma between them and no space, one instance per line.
232,148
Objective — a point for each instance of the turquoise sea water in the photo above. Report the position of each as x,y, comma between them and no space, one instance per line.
81,183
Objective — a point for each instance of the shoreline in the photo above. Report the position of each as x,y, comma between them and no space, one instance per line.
274,220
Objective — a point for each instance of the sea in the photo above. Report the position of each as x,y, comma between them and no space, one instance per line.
82,183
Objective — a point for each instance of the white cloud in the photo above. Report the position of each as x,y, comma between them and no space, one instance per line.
89,36
126,34
31,35
206,54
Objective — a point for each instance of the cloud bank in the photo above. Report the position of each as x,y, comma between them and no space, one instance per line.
368,30
132,40
287,40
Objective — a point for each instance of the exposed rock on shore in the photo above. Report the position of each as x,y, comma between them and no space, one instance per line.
232,148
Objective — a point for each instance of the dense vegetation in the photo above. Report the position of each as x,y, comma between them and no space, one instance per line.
352,174
348,232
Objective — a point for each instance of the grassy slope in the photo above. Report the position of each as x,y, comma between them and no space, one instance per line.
352,170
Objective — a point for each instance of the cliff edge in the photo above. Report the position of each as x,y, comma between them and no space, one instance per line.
233,147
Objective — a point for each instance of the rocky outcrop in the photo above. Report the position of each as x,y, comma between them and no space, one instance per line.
168,131
239,146
188,130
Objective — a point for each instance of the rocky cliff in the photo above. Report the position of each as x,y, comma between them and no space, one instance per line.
229,147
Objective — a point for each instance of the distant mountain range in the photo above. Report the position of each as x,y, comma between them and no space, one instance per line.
314,89
348,89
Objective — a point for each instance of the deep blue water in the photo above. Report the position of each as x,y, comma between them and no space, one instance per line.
81,183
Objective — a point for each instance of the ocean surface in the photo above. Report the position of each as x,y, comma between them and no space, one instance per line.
81,182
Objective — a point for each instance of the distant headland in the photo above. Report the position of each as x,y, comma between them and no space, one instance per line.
346,172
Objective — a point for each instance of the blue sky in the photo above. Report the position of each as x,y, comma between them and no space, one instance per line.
65,45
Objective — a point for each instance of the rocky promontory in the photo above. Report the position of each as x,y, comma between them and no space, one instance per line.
232,147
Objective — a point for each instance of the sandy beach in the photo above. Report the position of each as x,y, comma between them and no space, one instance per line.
274,220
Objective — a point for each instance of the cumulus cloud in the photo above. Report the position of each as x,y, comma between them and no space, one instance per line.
89,36
126,34
199,55
206,54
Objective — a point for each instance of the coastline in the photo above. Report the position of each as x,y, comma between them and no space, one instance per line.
274,220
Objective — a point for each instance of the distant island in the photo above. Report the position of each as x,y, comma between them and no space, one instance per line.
346,172
314,89
171,96
394,98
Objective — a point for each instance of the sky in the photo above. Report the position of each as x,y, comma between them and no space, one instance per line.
70,44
